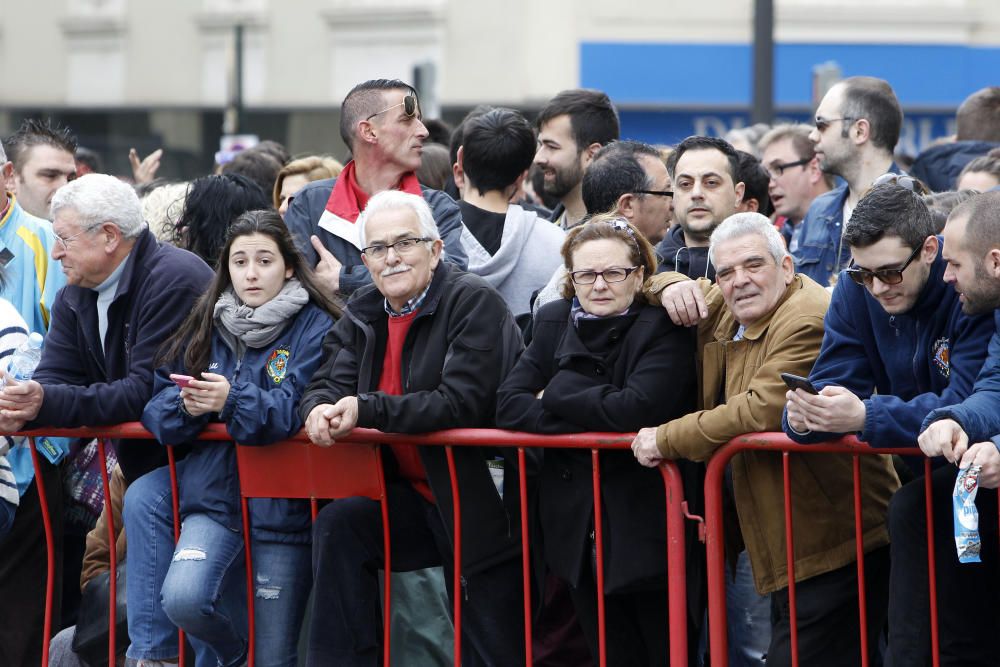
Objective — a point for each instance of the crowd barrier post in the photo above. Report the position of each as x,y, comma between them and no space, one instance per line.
362,440
779,443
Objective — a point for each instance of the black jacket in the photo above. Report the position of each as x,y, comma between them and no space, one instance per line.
615,374
87,384
458,349
939,166
674,255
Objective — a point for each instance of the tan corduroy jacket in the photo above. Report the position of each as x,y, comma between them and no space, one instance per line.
746,372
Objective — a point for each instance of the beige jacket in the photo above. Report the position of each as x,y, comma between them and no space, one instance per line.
747,373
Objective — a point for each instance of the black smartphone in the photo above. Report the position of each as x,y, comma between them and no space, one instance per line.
798,382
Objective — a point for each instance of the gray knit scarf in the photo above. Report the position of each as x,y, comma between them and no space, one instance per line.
240,325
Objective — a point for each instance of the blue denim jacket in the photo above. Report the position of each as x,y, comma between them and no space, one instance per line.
820,238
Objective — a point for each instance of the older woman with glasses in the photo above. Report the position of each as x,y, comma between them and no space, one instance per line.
604,360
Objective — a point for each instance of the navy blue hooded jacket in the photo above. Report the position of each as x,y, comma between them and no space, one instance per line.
262,408
979,414
902,366
939,166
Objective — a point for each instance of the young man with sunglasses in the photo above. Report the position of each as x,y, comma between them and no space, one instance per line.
380,122
857,128
896,346
896,343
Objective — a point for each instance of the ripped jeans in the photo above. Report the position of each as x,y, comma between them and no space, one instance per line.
200,585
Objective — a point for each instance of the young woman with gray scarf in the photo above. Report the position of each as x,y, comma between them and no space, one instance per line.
242,357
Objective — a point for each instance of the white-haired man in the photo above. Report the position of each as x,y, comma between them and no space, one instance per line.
125,294
759,320
422,349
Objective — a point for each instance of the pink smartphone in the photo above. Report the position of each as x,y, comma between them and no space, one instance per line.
181,380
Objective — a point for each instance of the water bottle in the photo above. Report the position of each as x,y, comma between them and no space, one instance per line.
25,359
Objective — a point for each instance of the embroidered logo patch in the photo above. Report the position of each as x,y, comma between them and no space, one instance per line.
277,365
941,356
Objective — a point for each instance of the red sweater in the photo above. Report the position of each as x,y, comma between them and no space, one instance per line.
391,382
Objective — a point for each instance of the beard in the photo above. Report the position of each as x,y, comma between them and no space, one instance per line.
564,180
983,296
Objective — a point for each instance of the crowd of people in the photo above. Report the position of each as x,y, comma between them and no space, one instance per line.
547,277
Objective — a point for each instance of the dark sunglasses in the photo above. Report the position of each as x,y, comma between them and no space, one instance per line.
865,277
409,105
914,185
778,168
662,193
823,123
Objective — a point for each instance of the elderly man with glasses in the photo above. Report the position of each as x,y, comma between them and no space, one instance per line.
125,294
857,128
896,346
425,348
381,123
759,320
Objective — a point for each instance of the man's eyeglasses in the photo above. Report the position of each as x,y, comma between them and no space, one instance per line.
64,242
409,105
823,123
914,185
778,168
402,247
615,275
865,277
662,193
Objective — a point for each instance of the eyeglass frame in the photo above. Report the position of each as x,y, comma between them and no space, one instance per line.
662,193
780,167
64,243
866,277
628,271
369,251
412,113
823,123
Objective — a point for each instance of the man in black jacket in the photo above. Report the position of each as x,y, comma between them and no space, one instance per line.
423,349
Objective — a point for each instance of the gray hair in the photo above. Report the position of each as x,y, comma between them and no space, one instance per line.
393,200
3,156
745,224
99,198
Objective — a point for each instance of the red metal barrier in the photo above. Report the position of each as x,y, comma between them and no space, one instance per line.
779,443
675,507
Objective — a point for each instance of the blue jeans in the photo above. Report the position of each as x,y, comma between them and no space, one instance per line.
749,617
282,579
193,586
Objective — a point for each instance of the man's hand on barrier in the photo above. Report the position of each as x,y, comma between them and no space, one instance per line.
20,401
987,455
328,422
645,449
833,410
206,395
684,303
946,438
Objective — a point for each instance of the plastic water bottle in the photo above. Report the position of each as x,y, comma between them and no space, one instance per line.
25,359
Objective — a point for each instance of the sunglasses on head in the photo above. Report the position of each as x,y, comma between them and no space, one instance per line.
865,277
912,184
409,105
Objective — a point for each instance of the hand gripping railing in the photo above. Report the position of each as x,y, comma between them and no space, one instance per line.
780,443
595,442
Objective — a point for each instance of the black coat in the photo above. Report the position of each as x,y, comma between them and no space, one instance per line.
613,374
460,346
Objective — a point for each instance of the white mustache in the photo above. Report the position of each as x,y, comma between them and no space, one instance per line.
391,270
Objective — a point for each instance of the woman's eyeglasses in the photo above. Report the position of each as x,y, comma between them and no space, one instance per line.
610,275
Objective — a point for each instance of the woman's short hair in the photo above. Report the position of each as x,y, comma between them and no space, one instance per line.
313,167
607,226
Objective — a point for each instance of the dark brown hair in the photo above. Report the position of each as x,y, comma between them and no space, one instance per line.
193,340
